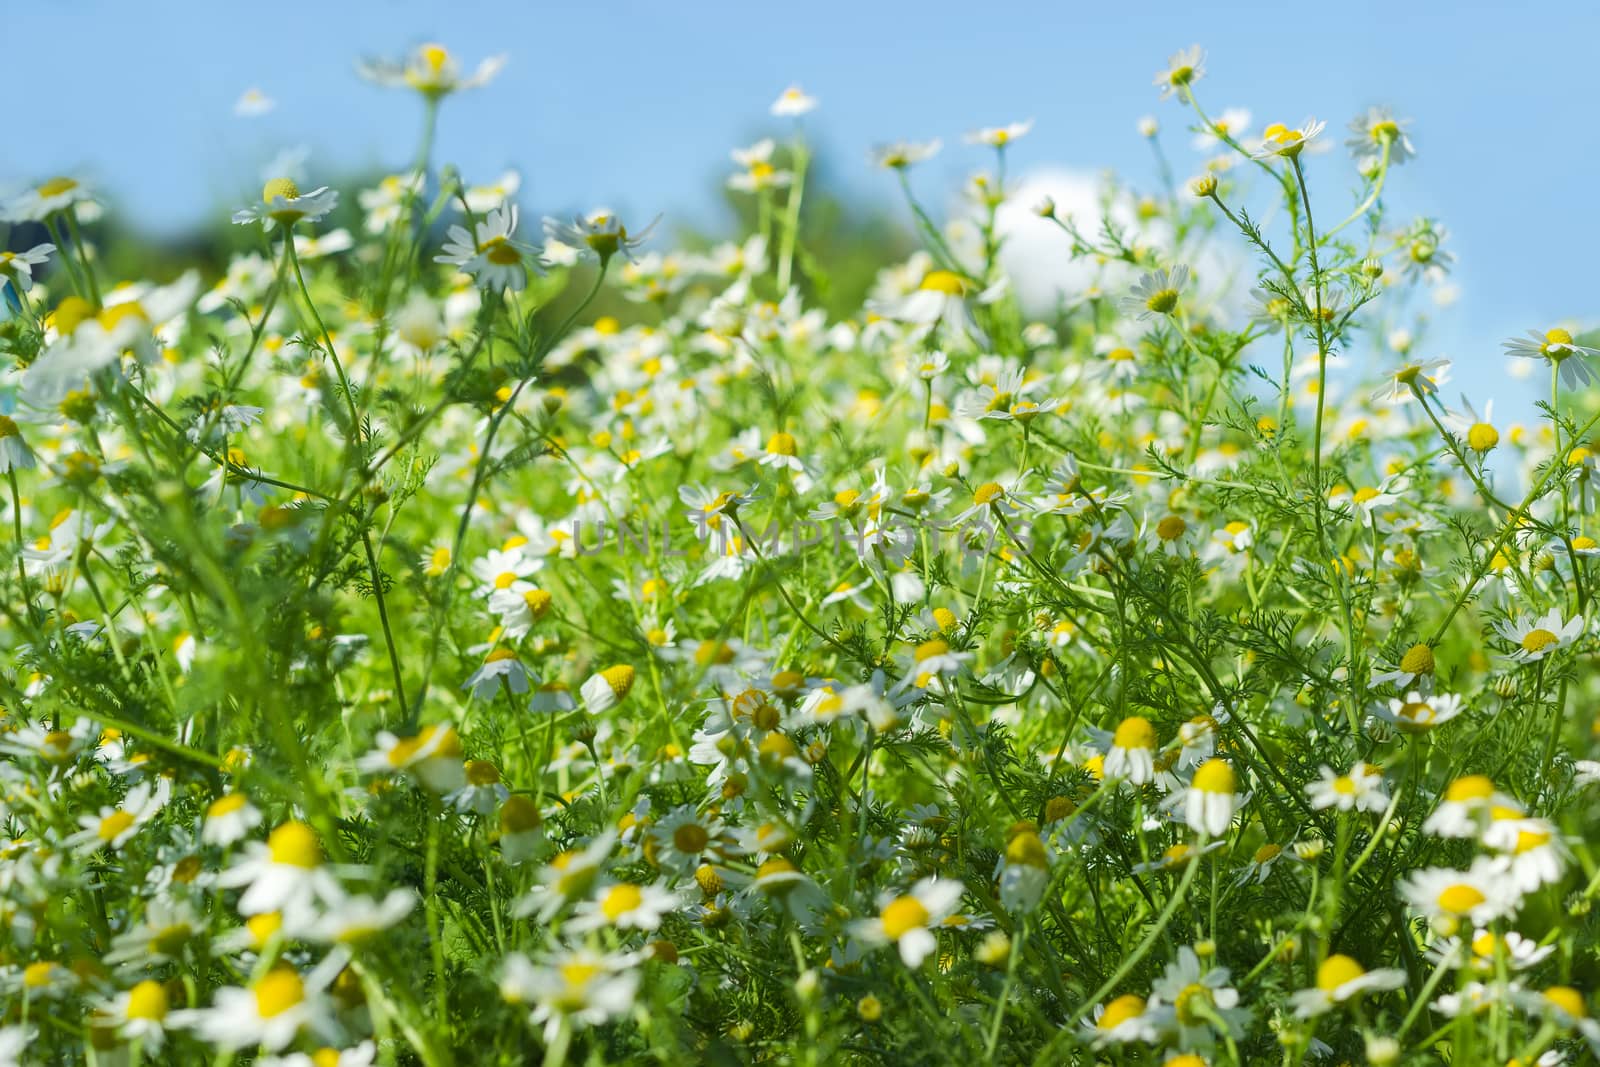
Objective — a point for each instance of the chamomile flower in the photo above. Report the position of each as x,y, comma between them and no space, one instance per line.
1556,348
286,872
489,254
1156,292
353,919
46,199
1201,1000
16,268
500,667
1375,132
1536,638
271,1011
1415,668
483,792
1184,67
758,174
578,985
1131,754
1126,1020
1212,798
1465,807
1448,898
907,920
15,454
1000,136
229,819
140,1013
1418,713
1359,789
283,205
1410,380
624,906
1286,142
600,234
1340,979
901,155
429,69
432,755
682,836
114,827
607,688
792,103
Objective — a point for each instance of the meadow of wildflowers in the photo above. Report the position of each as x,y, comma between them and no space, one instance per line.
407,663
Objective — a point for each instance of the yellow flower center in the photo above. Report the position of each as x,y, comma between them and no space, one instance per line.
263,927
1418,659
1568,1000
115,825
1171,528
944,281
1538,640
1337,971
519,814
903,915
690,838
147,1000
987,493
278,991
929,649
38,975
501,252
1126,1007
1469,787
619,900
1216,776
1134,732
1162,301
481,772
294,844
57,186
1481,437
1460,899
619,678
279,187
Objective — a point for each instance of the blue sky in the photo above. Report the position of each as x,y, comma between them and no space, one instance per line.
635,105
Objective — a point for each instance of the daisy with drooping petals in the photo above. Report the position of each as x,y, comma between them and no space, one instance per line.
282,204
1212,798
430,69
1132,752
1557,349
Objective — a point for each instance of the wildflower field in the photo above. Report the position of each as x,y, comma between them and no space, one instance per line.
445,637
